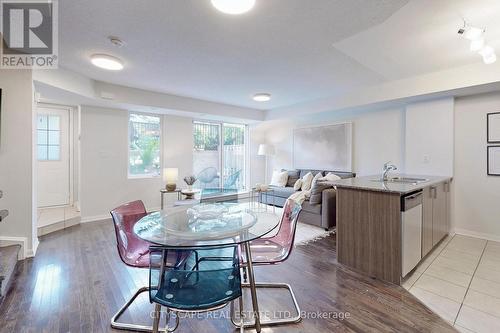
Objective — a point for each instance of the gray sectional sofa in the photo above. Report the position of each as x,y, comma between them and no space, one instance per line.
322,214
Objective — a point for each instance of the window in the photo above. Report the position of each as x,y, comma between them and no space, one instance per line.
49,138
144,145
219,155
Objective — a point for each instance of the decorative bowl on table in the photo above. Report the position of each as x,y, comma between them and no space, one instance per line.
206,212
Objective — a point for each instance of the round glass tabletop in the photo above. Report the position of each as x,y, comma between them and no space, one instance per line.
206,225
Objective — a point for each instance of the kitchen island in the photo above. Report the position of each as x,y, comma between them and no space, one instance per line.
385,227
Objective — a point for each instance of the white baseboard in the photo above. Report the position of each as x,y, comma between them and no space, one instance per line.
23,241
465,232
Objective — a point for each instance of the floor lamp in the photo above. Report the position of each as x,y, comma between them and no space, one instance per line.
266,150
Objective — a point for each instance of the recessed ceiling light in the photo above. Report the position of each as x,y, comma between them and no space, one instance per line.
107,62
233,7
262,97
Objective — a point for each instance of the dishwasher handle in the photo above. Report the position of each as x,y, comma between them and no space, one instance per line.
410,201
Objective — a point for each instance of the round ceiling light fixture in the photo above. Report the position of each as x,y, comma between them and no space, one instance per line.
233,7
107,62
262,97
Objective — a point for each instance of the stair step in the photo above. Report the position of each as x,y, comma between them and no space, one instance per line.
8,261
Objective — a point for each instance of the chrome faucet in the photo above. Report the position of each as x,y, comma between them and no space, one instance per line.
388,167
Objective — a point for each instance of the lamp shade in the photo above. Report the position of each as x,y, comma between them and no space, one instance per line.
265,150
170,175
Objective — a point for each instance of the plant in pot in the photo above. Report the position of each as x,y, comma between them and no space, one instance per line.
190,180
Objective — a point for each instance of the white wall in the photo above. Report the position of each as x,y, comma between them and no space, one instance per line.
178,145
16,158
477,195
429,138
377,137
256,136
104,161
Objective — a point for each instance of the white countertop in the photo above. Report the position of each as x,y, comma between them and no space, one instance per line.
373,183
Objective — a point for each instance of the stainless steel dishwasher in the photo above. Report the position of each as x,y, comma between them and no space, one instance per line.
411,231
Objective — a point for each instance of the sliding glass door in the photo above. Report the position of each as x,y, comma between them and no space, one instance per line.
207,154
219,155
233,156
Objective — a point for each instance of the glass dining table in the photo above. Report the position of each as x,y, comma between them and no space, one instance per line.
205,225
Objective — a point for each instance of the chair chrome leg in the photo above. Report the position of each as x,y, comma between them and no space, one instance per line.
156,319
133,327
242,319
272,322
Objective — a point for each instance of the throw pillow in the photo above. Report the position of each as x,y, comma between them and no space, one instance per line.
317,177
293,175
297,185
306,182
317,192
279,178
330,177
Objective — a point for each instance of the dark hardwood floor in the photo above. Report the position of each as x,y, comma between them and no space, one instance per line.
77,282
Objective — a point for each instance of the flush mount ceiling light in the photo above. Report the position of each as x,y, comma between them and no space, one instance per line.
262,97
106,62
233,7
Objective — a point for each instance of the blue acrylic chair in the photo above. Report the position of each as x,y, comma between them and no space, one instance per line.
197,286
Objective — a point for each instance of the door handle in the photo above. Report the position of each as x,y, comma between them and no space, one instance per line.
434,192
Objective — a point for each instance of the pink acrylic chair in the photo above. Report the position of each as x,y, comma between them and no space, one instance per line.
271,251
134,252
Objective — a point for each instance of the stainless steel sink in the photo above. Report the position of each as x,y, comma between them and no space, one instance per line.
404,180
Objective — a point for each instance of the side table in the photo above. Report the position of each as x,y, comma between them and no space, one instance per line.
164,191
256,202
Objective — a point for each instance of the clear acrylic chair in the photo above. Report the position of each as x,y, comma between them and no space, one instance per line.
134,252
198,286
271,251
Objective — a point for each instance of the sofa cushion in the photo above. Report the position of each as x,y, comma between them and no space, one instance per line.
305,172
330,177
293,175
282,192
310,208
341,174
317,192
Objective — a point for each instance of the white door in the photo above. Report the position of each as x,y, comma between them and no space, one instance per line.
53,157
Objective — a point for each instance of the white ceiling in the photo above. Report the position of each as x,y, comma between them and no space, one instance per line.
188,48
297,50
422,37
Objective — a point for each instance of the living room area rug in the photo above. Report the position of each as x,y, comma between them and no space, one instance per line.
304,234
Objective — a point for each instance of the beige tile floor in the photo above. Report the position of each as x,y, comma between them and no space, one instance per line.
460,281
53,219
